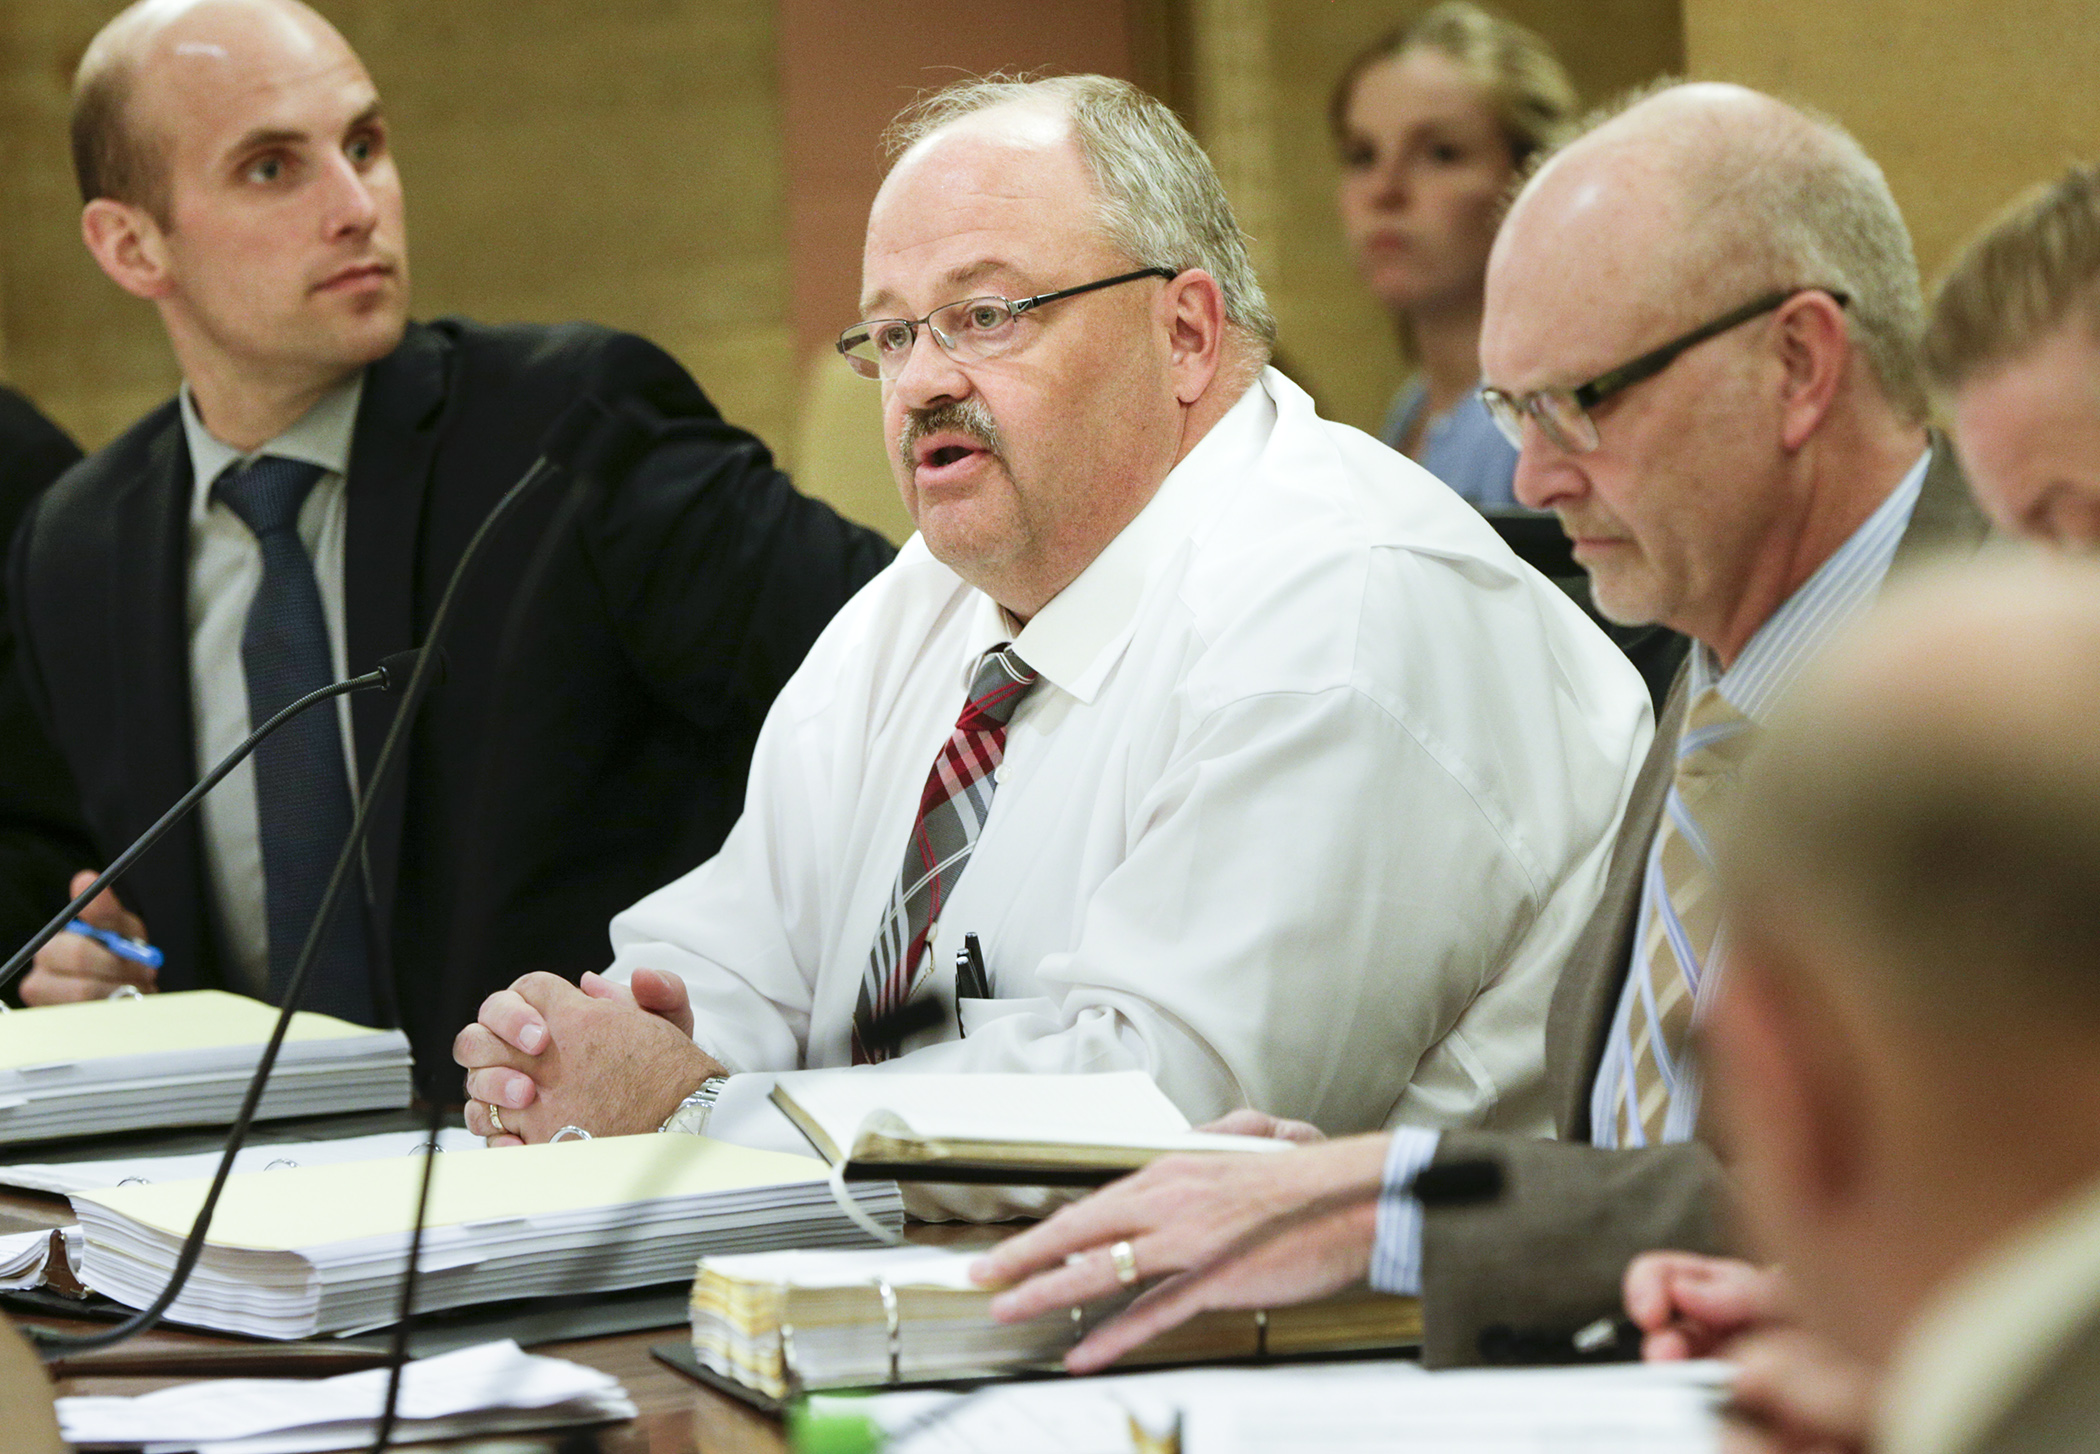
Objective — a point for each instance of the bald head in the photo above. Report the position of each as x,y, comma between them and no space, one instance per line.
120,125
1943,825
1700,197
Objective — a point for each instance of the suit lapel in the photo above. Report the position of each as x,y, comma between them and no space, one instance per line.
151,524
1945,519
390,462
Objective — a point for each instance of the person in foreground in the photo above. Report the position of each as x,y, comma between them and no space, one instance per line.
1702,322
1276,775
1434,122
2013,351
293,516
1906,1042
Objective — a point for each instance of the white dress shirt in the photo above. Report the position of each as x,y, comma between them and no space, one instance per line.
1317,788
225,568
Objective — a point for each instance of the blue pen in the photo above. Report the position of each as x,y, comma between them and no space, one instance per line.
135,950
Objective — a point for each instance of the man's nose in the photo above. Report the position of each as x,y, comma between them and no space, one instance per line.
352,206
929,377
1546,475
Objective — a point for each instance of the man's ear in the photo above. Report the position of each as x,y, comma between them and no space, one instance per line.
1814,348
129,245
1787,1090
1195,312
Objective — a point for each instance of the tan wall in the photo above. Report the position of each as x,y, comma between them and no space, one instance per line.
613,161
1963,104
1334,338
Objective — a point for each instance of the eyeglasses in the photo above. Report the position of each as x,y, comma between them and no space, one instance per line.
968,332
1565,413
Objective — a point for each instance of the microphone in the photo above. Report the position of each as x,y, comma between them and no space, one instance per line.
391,675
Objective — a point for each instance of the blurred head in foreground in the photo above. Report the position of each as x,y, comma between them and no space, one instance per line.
1906,1055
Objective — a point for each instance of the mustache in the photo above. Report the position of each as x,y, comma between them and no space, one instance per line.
962,416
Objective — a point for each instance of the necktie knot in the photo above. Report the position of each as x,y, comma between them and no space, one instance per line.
1001,681
269,492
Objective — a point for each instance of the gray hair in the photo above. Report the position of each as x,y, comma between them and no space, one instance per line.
1158,198
1794,201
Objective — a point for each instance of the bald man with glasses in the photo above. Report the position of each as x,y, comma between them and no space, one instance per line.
1701,335
1191,734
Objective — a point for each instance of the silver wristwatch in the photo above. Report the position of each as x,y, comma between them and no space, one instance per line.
692,1113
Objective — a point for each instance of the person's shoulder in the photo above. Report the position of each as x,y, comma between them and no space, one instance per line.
874,639
147,446
553,352
1306,523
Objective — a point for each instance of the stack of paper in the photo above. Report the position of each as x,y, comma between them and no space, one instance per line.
492,1389
183,1060
1016,1129
318,1249
63,1178
1363,1408
911,1315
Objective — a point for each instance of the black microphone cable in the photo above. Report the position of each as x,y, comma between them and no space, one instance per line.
566,436
613,444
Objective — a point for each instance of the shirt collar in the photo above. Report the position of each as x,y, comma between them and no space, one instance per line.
1076,638
321,436
1842,587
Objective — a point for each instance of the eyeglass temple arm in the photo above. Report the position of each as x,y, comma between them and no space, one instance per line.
1022,305
1648,365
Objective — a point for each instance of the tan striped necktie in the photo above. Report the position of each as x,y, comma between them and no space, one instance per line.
1679,933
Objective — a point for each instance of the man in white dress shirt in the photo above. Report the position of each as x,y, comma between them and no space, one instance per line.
1305,786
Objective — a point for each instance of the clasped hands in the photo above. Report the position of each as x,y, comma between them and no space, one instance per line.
609,1058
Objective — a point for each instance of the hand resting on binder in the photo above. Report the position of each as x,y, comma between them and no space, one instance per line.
600,1056
74,967
1223,1232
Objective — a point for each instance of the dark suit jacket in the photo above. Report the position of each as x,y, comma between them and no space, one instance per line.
33,453
1512,1280
532,808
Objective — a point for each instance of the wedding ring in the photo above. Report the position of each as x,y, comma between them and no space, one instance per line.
1125,1259
495,1119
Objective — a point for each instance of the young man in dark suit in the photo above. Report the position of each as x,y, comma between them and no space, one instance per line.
294,516
1701,326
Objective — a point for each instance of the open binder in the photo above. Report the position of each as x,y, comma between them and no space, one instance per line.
772,1325
995,1129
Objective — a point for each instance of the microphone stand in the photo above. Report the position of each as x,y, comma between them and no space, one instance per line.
567,435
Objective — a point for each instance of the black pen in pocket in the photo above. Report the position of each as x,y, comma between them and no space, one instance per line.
971,982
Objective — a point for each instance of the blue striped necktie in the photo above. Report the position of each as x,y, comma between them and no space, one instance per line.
1679,947
302,785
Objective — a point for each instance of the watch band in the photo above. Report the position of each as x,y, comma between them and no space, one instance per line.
691,1116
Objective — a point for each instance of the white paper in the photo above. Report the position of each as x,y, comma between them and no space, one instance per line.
68,1177
940,1267
22,1258
1368,1407
491,1378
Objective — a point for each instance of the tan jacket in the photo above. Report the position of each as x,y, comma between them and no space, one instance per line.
1512,1280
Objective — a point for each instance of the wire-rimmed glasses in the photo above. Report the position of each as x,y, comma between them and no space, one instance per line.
968,331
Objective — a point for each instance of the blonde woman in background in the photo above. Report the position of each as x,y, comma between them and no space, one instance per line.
1434,122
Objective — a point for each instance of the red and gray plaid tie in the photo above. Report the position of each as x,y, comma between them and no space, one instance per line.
952,809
